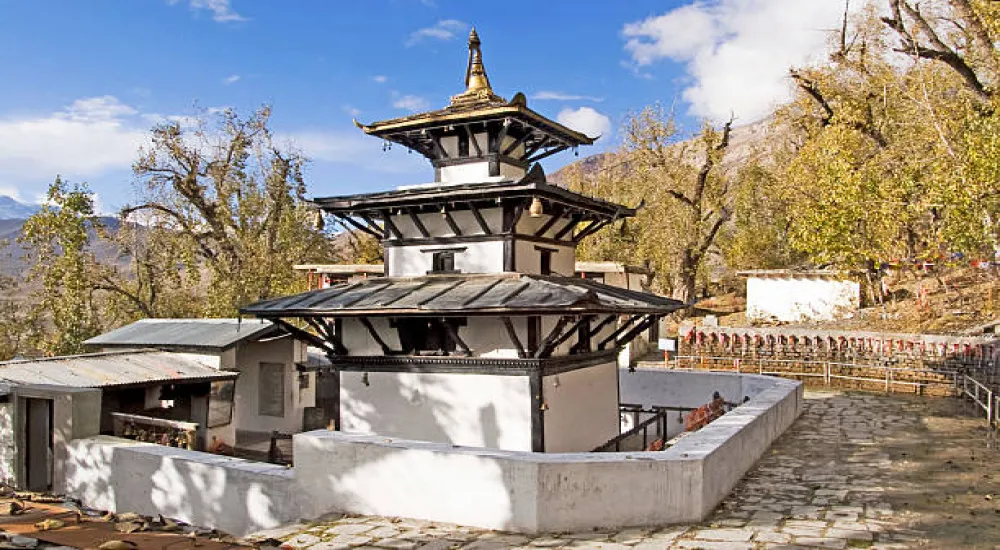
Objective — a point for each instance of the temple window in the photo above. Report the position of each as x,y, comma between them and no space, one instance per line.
443,261
428,336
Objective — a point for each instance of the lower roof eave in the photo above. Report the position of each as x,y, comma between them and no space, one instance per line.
294,313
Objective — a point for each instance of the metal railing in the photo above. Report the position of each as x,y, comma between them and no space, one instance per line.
827,371
657,423
983,397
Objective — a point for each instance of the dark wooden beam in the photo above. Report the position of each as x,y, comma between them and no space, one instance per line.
451,222
556,331
363,228
534,148
473,141
305,335
512,334
600,326
438,150
500,137
327,332
548,224
594,227
548,349
387,220
453,334
537,412
386,350
419,224
574,220
479,219
516,142
614,335
636,331
547,154
510,223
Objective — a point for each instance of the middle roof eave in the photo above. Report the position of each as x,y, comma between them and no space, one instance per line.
500,294
418,196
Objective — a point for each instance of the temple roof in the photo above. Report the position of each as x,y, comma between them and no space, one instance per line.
465,192
478,103
465,295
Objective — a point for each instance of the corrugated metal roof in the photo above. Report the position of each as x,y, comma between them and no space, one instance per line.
104,370
214,334
505,294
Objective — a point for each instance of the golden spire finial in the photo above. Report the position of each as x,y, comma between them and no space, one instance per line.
475,73
477,84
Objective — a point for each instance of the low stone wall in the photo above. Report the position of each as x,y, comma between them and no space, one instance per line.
922,363
511,490
234,495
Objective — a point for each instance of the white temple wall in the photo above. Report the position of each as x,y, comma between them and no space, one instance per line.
417,260
473,172
582,408
475,410
527,258
511,171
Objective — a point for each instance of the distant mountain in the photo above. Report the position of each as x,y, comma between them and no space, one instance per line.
13,262
11,209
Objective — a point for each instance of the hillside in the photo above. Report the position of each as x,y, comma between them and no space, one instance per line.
744,141
13,214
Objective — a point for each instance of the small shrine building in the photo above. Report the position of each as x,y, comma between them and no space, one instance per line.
479,335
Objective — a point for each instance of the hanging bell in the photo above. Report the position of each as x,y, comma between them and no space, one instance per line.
536,209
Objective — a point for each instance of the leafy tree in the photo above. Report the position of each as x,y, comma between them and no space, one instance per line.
686,198
18,326
56,239
235,200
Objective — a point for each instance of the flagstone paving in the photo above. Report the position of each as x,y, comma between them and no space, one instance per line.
857,470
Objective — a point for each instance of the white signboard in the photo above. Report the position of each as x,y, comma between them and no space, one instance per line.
667,344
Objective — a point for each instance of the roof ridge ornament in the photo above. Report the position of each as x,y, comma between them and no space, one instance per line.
477,83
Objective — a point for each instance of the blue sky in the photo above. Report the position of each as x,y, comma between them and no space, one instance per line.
84,80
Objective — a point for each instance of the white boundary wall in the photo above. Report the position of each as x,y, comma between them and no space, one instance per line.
801,298
511,490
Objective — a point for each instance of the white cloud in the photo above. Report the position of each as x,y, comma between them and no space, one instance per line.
411,103
381,79
231,79
586,120
444,29
559,96
737,52
221,11
353,148
352,110
92,136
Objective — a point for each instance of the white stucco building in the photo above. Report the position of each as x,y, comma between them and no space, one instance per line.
796,296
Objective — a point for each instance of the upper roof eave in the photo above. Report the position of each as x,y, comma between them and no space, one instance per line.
448,115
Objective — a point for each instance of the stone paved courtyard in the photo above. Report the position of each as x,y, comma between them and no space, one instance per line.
857,470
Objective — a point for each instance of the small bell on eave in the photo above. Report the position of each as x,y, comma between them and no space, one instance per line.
536,209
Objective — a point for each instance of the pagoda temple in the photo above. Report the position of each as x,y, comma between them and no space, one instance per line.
479,334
